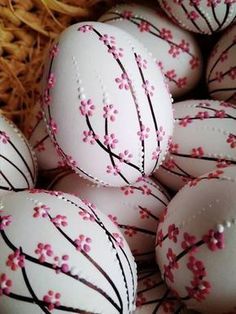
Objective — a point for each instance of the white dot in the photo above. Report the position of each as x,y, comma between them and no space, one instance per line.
220,228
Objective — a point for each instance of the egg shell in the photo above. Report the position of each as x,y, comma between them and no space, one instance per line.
204,139
196,243
175,50
59,253
153,296
134,209
201,16
47,155
99,100
18,163
221,68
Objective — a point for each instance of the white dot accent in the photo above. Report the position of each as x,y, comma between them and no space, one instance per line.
220,228
228,224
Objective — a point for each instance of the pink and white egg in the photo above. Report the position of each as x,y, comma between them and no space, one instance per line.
106,104
60,254
135,209
175,50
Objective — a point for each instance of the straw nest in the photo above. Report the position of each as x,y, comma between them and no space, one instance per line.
27,27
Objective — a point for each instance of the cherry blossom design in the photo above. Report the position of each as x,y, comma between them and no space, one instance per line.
54,51
195,2
160,134
173,148
188,241
149,89
53,127
213,3
116,52
199,289
197,152
126,156
123,81
232,140
174,51
169,163
15,260
171,75
185,121
173,231
194,182
142,63
83,243
44,250
90,137
144,26
143,133
184,46
219,76
156,154
192,15
5,284
86,216
168,273
214,240
194,62
110,112
127,14
171,256
114,219
149,283
144,214
160,65
115,170
202,115
196,267
119,239
145,190
181,82
4,138
127,190
108,40
40,147
60,264
166,34
232,73
222,163
159,238
168,306
52,299
215,174
85,28
41,211
130,232
5,221
60,221
51,80
87,107
140,300
70,161
110,140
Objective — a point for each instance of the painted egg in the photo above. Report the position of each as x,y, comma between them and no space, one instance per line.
201,16
18,163
174,49
135,209
221,68
58,253
106,105
47,155
153,296
204,139
195,245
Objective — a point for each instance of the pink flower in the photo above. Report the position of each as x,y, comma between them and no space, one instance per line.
108,40
232,73
193,15
144,214
184,46
44,250
123,81
54,51
52,300
119,240
40,147
5,284
90,137
60,264
144,26
169,163
51,80
220,114
142,63
202,115
197,152
232,140
83,243
173,231
168,306
114,219
41,211
110,140
87,107
172,259
219,76
185,121
174,51
60,221
115,170
70,161
181,82
127,14
196,267
15,260
145,189
160,65
4,138
86,216
215,174
5,221
173,147
213,3
127,190
53,127
140,300
149,283
143,133
222,163
116,52
159,238
156,154
168,273
199,289
194,62
85,28
126,156
193,182
148,88
195,2
214,240
110,112
223,56
160,134
130,232
170,74
189,241
166,34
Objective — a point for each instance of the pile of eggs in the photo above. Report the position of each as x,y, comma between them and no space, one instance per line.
134,136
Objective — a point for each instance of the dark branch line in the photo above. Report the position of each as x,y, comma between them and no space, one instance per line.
41,141
217,90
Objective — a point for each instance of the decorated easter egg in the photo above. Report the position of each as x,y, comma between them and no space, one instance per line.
60,254
135,209
18,166
47,155
201,16
195,245
153,296
106,104
204,139
221,68
174,49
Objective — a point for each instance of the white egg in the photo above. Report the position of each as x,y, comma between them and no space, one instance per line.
135,209
221,68
47,155
196,249
201,16
18,165
204,139
106,104
58,253
175,50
